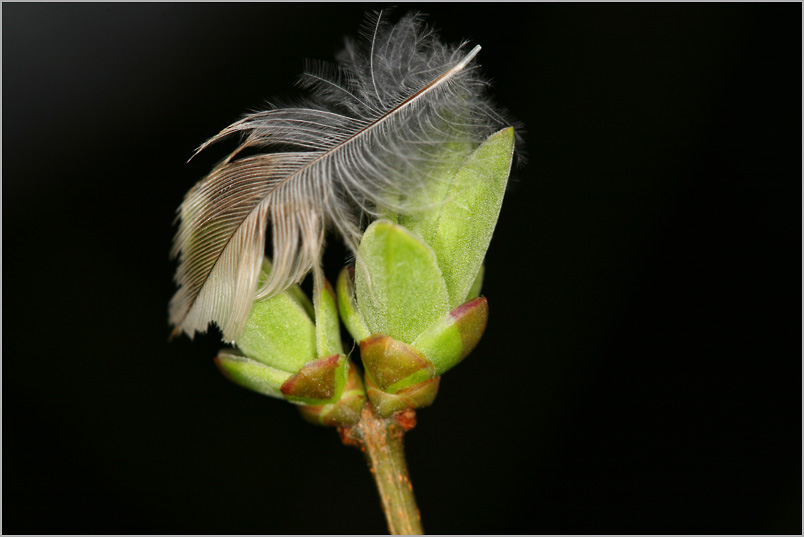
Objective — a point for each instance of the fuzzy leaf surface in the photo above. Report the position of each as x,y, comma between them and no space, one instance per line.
407,292
460,229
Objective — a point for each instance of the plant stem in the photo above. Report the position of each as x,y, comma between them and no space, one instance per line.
381,440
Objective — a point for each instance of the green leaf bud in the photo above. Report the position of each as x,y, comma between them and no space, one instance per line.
459,230
284,353
280,332
474,291
413,300
350,313
453,337
251,374
406,293
327,324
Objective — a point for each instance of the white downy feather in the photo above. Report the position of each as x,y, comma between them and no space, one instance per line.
371,132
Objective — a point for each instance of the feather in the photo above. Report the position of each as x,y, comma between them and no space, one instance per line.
370,133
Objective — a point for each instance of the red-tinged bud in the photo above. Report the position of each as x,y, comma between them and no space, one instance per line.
316,382
346,411
454,336
471,319
392,364
418,395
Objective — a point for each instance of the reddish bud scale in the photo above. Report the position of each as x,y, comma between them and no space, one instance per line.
343,413
471,319
316,380
418,395
389,361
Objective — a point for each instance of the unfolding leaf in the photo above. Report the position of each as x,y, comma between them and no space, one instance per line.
406,293
459,230
251,374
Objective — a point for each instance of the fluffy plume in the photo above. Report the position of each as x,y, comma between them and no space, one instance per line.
370,133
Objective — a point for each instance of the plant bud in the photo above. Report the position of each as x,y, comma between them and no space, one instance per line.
412,301
459,230
292,350
417,395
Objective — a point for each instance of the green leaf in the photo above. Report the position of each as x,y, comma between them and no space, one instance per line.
474,291
280,332
350,313
407,292
429,201
251,374
459,230
327,324
454,336
295,292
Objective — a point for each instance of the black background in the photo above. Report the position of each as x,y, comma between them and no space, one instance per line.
641,372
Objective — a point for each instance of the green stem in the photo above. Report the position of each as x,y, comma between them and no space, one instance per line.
382,442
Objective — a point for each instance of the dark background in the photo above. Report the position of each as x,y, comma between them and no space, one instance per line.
641,372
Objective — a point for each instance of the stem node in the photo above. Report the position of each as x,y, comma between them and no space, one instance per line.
381,440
